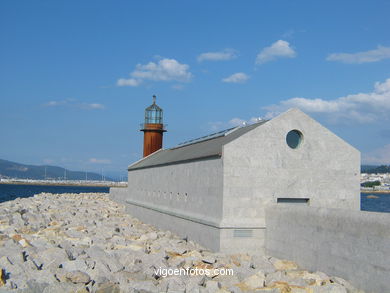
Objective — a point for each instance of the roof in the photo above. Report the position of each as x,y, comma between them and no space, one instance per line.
209,146
153,107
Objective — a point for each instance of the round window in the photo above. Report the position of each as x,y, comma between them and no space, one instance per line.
294,138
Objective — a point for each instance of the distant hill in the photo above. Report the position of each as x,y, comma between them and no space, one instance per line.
375,169
10,169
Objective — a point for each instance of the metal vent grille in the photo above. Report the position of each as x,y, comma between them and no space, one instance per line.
293,200
242,233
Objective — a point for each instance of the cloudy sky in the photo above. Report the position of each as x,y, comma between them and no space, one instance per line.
75,76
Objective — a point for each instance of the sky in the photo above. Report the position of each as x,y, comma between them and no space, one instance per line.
76,76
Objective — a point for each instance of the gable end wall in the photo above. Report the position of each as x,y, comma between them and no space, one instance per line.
260,167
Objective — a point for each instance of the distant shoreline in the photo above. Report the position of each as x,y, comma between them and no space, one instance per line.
86,184
374,191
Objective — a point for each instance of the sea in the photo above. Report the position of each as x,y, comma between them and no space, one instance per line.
12,191
373,202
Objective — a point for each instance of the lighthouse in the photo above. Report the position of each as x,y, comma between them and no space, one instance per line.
153,128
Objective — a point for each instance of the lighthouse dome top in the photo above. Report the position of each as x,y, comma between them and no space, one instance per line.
153,113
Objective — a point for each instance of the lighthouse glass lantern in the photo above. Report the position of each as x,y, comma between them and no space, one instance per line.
153,114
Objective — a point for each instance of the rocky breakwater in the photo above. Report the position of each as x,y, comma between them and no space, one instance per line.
87,243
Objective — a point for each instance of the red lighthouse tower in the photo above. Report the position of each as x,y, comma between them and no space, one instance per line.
153,128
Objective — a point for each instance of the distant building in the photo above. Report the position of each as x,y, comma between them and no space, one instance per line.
215,189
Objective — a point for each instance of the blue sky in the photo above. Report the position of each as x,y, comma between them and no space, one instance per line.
75,76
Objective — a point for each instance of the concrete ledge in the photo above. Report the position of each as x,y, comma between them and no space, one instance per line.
198,228
200,219
206,235
354,245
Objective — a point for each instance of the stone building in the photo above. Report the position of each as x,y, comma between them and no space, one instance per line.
215,189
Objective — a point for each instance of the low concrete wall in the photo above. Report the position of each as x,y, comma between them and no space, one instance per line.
354,245
195,227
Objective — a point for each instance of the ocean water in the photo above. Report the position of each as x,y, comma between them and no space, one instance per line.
12,191
381,202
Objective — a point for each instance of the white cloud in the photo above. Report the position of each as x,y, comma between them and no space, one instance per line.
237,122
219,125
224,55
361,57
163,70
238,77
215,126
92,106
360,108
379,156
128,82
55,103
279,49
240,122
73,103
99,161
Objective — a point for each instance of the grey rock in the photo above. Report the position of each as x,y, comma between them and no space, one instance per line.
144,286
5,263
212,286
33,286
96,252
77,277
34,220
108,288
262,263
243,272
122,277
75,234
44,276
101,280
63,287
274,277
149,236
53,257
100,273
75,265
236,289
344,283
13,255
330,288
113,265
17,220
40,244
16,271
255,281
74,252
227,281
112,262
322,275
36,262
193,290
176,284
90,263
15,281
209,259
125,257
294,278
